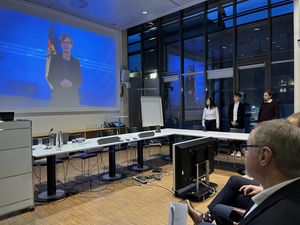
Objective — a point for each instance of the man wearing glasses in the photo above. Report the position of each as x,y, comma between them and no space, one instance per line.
273,158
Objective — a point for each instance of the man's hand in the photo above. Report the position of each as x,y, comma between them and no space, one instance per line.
251,190
65,83
234,123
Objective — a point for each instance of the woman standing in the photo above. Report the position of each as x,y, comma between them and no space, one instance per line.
210,118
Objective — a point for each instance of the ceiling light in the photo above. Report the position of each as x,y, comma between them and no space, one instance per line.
224,47
273,42
145,12
257,29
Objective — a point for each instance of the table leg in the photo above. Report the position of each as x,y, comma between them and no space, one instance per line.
52,193
140,158
111,175
170,156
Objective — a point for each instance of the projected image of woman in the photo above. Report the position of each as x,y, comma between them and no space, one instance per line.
65,76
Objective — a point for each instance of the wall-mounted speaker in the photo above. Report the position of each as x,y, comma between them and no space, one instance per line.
125,76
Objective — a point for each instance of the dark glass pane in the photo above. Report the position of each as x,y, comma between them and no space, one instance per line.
282,38
220,49
150,43
171,102
171,48
150,61
245,6
252,17
219,16
252,83
134,63
283,87
134,47
277,1
194,55
193,26
194,95
221,91
150,30
134,38
252,40
281,10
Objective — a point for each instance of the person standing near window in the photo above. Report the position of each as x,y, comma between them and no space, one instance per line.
210,118
269,109
236,114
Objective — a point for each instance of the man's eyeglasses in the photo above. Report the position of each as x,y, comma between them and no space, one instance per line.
245,148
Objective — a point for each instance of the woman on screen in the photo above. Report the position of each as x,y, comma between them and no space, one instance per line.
65,76
210,118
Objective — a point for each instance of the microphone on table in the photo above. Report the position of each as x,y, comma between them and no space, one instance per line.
50,131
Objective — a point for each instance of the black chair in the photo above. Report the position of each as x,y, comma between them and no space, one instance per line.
132,145
87,155
60,158
148,144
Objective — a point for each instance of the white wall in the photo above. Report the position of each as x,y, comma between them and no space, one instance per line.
43,122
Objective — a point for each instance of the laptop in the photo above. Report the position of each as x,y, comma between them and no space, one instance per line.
7,116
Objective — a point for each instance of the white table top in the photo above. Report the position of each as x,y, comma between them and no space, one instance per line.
90,144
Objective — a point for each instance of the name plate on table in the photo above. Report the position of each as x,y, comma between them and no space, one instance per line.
146,134
108,140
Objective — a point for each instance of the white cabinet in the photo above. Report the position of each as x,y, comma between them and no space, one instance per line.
16,188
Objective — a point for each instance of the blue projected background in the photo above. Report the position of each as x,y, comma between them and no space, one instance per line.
23,60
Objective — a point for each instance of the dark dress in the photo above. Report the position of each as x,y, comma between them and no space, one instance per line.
59,70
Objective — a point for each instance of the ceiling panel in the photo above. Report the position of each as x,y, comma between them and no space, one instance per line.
117,14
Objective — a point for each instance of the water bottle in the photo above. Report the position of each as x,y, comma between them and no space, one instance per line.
59,140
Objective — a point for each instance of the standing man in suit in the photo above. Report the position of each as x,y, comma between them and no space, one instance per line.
269,109
236,114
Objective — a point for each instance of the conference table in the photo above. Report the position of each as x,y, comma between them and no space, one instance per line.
39,151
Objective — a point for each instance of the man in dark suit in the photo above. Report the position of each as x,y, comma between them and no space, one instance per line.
236,114
269,109
272,158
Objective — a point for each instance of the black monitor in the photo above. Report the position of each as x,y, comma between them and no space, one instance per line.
7,116
194,159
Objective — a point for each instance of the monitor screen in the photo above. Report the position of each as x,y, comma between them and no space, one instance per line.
186,155
7,116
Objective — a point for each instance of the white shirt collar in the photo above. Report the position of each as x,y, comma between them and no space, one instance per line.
269,101
262,196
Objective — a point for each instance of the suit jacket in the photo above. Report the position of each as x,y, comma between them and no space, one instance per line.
240,115
282,207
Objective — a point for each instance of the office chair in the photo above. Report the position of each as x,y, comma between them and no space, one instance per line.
132,146
148,144
86,156
60,158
